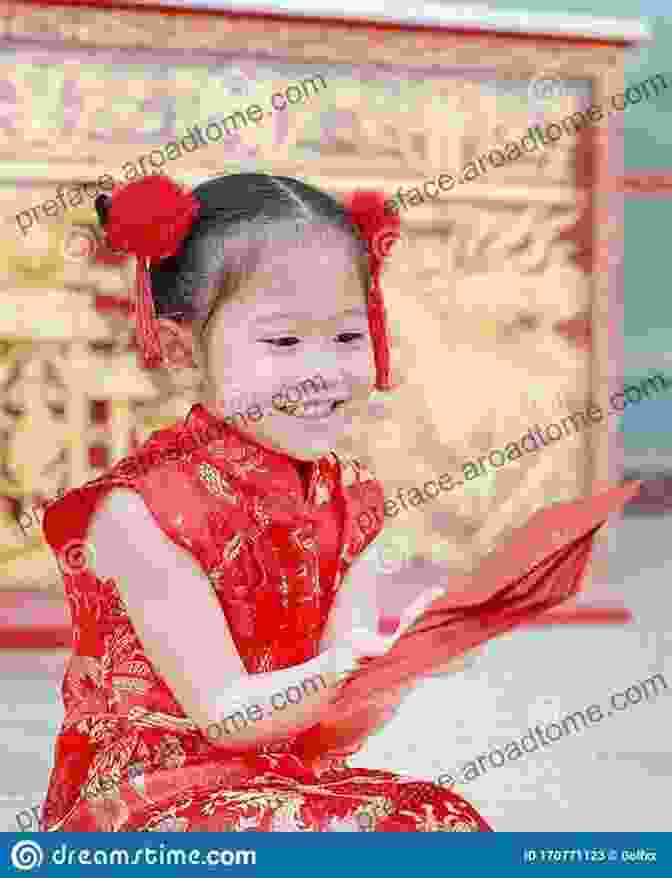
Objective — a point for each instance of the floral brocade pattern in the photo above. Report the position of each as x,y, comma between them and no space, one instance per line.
276,551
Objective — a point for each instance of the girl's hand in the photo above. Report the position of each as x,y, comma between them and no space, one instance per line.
361,643
341,738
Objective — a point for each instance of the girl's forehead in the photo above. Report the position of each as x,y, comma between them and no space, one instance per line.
309,248
316,274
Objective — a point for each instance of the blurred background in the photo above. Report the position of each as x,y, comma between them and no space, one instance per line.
509,306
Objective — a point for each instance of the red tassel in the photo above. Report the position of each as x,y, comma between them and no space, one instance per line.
531,573
379,339
366,210
145,315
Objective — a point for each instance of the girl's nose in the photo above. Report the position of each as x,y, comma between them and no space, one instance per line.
319,361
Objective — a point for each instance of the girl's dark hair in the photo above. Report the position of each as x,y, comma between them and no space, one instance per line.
240,215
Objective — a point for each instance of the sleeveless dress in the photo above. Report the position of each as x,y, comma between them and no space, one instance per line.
276,539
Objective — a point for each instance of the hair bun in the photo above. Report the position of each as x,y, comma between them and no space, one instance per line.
150,217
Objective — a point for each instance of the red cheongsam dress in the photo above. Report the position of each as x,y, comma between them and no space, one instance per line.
276,540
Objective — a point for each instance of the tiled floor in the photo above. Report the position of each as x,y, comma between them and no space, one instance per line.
614,775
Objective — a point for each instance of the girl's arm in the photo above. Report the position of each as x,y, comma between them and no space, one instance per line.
356,602
178,619
357,606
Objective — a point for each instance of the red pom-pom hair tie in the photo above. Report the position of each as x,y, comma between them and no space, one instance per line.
149,218
366,210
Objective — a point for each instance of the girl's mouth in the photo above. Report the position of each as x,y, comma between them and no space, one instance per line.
313,411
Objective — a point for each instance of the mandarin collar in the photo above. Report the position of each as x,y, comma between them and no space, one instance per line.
202,421
282,481
242,447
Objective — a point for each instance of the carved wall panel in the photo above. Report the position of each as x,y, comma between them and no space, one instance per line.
491,308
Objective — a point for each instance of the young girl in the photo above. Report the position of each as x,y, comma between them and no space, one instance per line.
217,578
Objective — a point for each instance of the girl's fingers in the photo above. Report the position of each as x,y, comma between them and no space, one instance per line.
365,642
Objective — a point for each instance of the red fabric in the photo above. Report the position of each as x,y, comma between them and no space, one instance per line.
127,757
540,567
145,316
366,209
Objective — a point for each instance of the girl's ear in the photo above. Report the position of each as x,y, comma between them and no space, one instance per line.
177,344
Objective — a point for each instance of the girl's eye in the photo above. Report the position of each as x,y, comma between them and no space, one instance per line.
284,342
350,336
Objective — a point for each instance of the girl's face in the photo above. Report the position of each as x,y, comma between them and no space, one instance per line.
290,356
